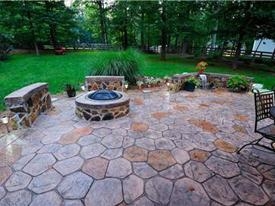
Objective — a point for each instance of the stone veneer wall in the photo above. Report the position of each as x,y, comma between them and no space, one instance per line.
94,114
219,80
28,102
108,82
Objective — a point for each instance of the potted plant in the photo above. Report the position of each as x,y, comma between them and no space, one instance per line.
190,84
71,92
238,83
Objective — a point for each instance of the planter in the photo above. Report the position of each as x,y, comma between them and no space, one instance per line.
189,86
71,93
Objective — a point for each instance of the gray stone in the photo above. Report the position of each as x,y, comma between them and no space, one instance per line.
180,155
30,148
270,174
225,155
17,181
128,141
102,132
269,187
159,127
18,198
173,172
67,151
72,203
92,150
133,188
248,191
75,185
251,173
146,143
2,192
143,170
119,168
45,182
68,166
197,171
119,131
112,141
164,143
222,167
219,190
112,153
159,189
143,201
39,164
50,148
107,192
49,199
19,164
91,139
188,192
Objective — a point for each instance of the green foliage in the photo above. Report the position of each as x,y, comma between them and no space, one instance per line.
192,80
124,63
238,83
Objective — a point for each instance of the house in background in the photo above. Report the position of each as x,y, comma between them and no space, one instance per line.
264,45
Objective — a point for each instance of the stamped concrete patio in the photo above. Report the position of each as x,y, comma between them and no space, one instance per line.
172,149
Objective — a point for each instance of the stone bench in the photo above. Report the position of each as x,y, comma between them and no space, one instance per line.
28,102
108,82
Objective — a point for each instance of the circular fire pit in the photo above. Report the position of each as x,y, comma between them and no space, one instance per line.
102,105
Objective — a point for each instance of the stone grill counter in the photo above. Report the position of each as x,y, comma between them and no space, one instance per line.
28,102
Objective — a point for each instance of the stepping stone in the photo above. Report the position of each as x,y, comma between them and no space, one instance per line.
133,188
112,141
68,166
219,190
188,192
197,171
75,186
159,189
173,172
146,143
102,132
39,164
135,154
92,150
5,172
95,167
17,181
109,187
161,159
128,141
143,201
269,188
225,146
225,155
50,148
180,155
2,192
18,198
72,203
74,135
49,199
67,151
139,127
164,143
251,173
143,170
19,164
112,153
90,139
45,182
119,168
248,191
270,174
222,167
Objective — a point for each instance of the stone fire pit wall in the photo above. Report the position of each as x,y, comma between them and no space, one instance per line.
219,80
110,82
28,102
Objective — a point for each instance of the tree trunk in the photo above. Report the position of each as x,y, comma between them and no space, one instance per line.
142,30
163,33
103,31
53,35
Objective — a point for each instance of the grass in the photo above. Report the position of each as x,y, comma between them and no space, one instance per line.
23,69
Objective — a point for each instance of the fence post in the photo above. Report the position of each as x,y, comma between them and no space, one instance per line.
273,54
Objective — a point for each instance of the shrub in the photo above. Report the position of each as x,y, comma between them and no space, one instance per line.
123,63
238,83
192,80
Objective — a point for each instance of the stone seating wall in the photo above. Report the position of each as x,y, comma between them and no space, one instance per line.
108,82
28,102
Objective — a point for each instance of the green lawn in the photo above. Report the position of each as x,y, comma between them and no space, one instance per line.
21,70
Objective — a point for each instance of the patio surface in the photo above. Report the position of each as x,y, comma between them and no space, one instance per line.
172,149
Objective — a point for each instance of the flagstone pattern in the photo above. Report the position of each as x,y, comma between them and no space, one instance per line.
172,149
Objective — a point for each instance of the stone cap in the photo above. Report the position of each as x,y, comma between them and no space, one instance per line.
105,78
25,93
